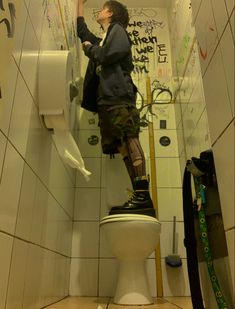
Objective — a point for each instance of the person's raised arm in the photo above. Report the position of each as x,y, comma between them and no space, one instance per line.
80,9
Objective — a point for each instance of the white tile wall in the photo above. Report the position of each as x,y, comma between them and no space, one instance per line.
29,58
31,297
195,8
84,277
21,117
87,120
114,172
217,98
10,189
108,272
40,207
88,150
231,21
212,122
168,173
87,204
7,101
166,151
229,5
6,243
199,140
36,12
17,274
205,136
26,204
206,34
19,34
224,162
2,151
36,188
48,275
164,112
220,15
227,51
85,239
171,275
170,204
180,137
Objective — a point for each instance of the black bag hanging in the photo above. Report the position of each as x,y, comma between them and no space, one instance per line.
190,243
206,205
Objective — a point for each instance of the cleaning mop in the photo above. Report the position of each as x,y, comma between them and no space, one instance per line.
173,259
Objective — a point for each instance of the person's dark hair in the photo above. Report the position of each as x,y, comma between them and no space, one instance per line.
120,12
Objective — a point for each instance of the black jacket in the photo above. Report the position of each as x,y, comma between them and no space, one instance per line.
115,57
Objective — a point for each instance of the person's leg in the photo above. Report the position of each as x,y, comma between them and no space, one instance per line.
133,157
120,131
127,161
136,156
132,153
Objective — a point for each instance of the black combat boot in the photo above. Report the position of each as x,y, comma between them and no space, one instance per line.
140,201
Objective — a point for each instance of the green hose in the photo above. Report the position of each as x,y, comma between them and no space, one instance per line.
201,202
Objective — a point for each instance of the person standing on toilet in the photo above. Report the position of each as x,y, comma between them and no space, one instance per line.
109,91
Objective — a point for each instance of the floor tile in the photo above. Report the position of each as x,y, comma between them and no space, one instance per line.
182,302
106,303
158,304
81,302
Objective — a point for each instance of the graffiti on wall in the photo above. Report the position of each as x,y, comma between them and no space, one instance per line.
161,96
7,27
147,48
7,17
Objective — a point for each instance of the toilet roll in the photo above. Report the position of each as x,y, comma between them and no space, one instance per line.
55,104
69,151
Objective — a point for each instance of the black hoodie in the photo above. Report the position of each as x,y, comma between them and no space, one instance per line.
114,83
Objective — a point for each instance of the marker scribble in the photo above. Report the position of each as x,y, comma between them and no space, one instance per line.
9,24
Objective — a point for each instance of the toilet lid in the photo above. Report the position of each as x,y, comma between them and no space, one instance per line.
128,217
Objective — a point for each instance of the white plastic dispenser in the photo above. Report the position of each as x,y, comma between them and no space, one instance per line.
56,92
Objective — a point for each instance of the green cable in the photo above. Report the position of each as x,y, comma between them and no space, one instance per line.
201,199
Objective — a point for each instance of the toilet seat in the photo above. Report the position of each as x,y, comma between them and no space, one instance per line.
127,217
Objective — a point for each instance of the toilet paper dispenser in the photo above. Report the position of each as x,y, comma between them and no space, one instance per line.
56,93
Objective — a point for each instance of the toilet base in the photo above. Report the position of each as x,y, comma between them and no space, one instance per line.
132,286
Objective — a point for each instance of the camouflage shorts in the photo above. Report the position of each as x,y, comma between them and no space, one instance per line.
116,124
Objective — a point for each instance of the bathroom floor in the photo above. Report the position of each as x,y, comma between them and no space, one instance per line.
106,303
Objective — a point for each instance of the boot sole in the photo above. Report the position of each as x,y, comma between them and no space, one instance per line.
144,211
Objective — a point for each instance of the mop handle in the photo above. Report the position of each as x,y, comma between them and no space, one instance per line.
174,235
159,281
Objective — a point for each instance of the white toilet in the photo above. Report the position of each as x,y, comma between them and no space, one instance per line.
132,238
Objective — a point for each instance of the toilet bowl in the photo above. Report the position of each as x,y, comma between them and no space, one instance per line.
131,238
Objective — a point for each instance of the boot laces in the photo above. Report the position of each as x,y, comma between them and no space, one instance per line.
133,194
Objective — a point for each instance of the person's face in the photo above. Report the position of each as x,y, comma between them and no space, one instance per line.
104,15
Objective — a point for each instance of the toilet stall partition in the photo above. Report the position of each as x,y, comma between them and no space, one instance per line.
159,282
